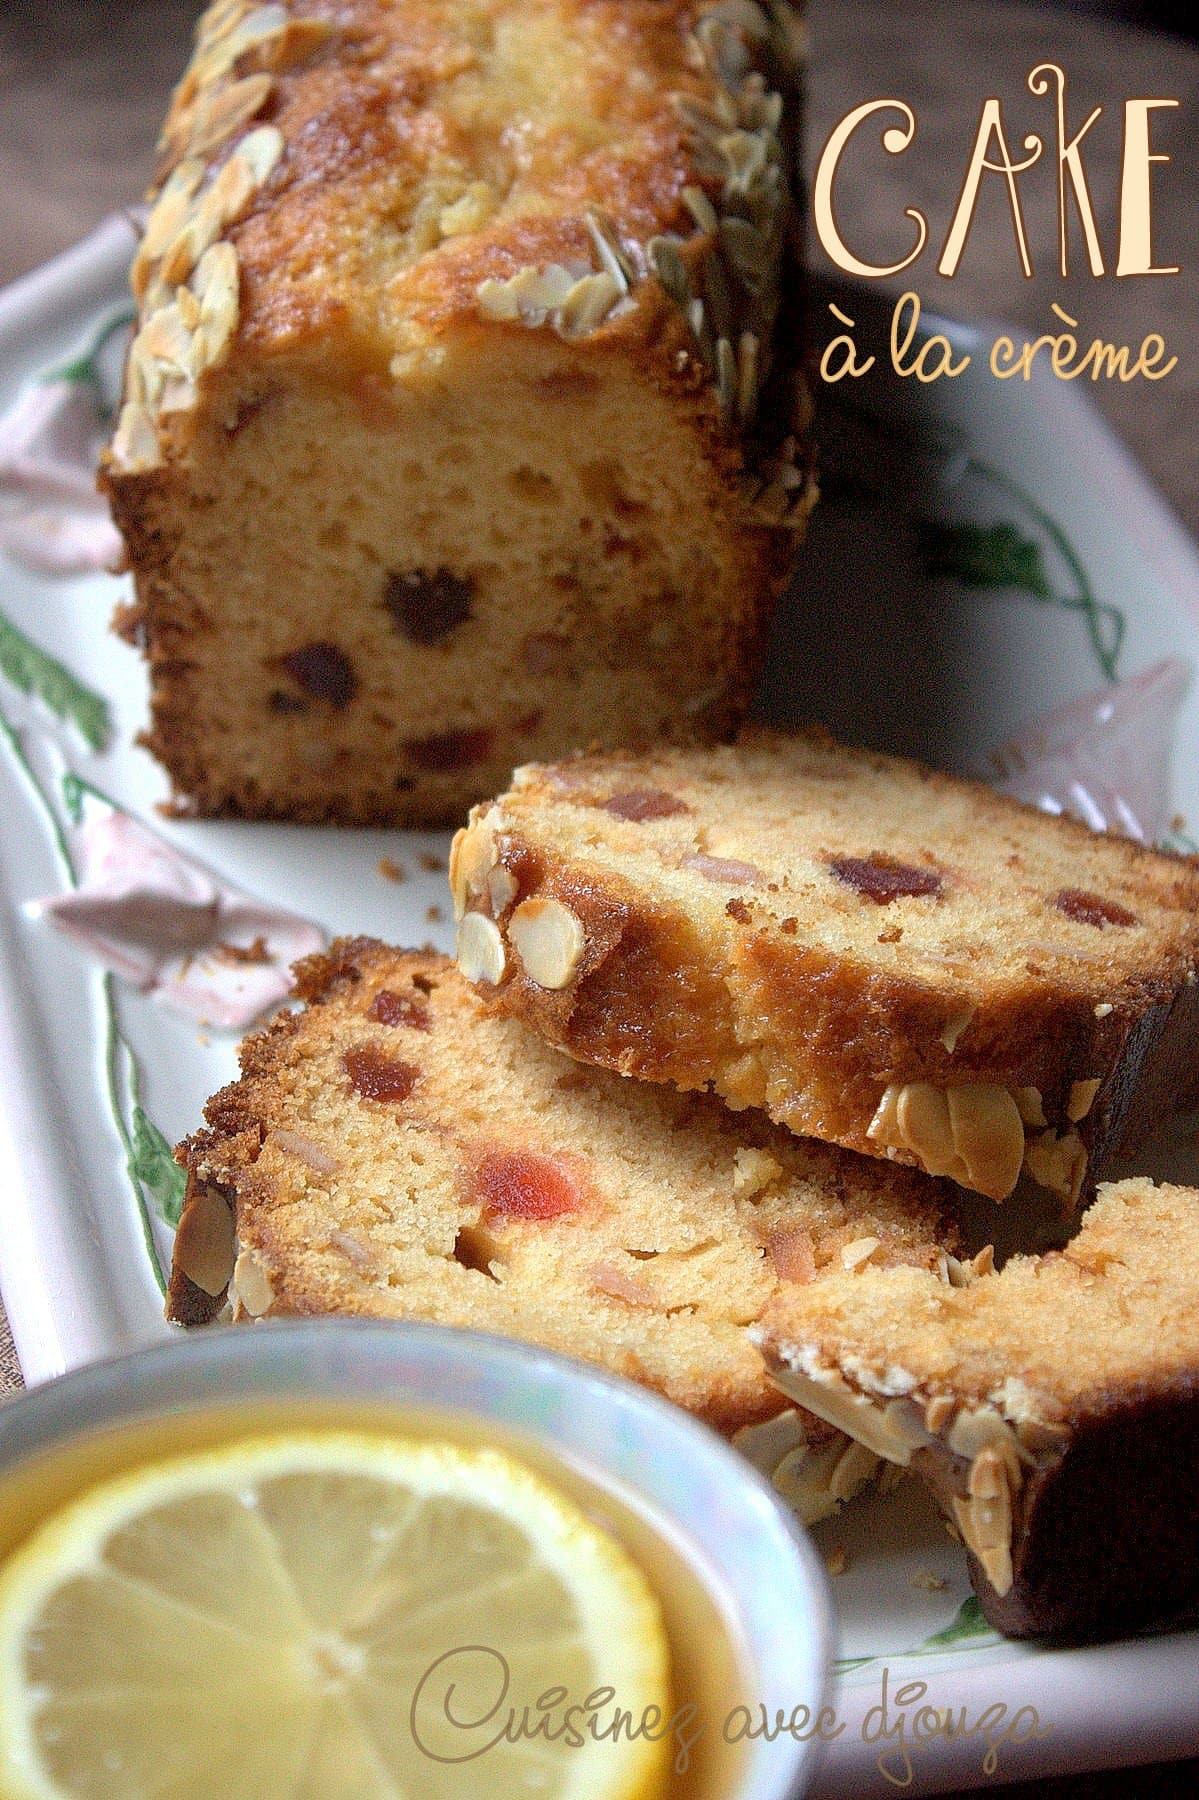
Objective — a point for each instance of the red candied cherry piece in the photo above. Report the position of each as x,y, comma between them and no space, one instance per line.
521,1184
427,606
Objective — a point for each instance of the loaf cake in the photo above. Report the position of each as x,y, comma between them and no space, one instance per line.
464,420
1053,1407
878,955
393,1150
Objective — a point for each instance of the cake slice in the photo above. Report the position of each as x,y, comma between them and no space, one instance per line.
1053,1408
396,1151
875,954
465,418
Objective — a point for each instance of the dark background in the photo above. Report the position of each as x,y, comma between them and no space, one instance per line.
1161,15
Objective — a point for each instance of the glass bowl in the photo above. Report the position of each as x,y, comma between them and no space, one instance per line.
730,1562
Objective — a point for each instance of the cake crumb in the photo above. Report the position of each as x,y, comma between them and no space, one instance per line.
837,1560
434,915
932,1584
435,865
257,952
391,870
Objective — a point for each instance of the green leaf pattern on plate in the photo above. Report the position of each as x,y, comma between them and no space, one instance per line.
155,1167
967,1623
1000,556
985,556
34,671
87,370
143,1150
967,1630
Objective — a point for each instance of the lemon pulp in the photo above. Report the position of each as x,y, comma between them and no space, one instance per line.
326,1615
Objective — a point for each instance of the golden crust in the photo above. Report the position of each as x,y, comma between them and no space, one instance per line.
343,1202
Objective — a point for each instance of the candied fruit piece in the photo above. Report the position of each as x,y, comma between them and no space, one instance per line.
377,1076
1092,909
522,1184
428,607
448,751
640,804
399,1009
324,671
884,878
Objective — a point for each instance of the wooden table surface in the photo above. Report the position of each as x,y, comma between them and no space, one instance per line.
82,91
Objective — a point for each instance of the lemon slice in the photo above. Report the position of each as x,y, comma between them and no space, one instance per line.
316,1616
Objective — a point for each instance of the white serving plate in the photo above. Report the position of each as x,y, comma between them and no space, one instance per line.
868,643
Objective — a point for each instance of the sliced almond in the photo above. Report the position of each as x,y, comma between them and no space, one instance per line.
955,1025
893,1429
972,1133
988,1135
501,888
473,855
984,1517
222,204
1030,1105
1058,1163
480,949
135,445
754,1170
549,940
216,286
221,112
305,1149
858,1254
251,1285
205,1241
261,150
169,212
1082,1098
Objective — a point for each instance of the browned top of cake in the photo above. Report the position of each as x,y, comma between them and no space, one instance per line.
433,144
344,181
394,1150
